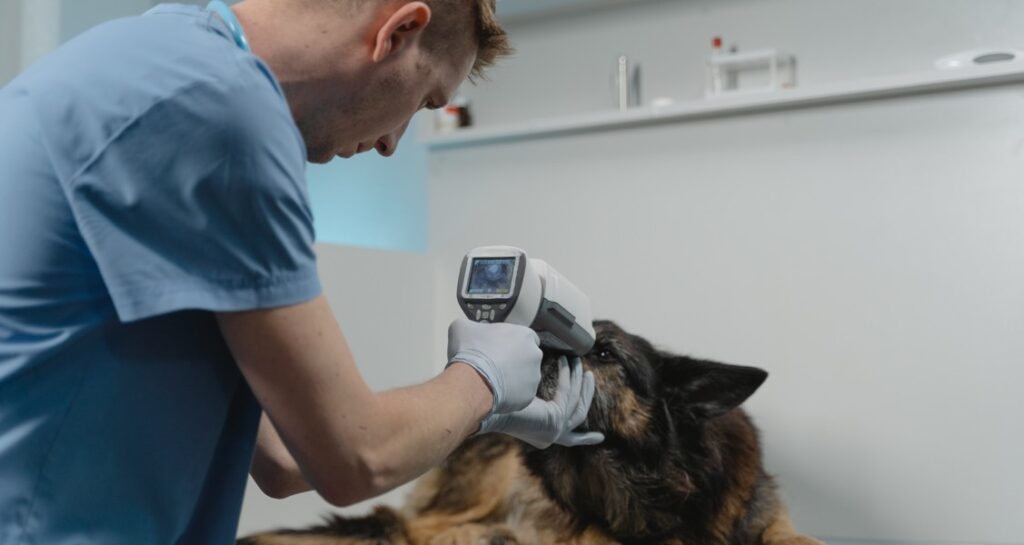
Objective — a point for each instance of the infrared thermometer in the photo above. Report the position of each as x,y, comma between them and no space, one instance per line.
503,284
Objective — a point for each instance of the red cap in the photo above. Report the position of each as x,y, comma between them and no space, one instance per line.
716,42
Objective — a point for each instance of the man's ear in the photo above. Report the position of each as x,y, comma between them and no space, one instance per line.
706,389
401,29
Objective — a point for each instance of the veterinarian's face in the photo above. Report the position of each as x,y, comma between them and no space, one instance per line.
374,114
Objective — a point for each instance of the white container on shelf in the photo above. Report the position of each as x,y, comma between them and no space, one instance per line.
761,70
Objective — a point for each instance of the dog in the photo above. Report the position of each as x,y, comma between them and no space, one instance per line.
680,465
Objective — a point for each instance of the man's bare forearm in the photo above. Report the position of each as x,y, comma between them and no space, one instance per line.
349,442
401,452
426,423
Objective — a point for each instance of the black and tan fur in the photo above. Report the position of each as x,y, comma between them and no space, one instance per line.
680,465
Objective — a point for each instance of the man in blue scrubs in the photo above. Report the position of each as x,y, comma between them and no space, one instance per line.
158,284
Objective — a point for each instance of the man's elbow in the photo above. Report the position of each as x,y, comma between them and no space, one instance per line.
276,485
272,487
367,478
277,481
340,496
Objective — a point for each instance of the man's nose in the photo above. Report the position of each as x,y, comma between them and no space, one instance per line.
388,143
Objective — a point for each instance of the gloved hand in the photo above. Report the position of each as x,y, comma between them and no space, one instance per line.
507,356
545,422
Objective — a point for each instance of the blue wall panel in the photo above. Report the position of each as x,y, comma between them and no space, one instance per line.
372,201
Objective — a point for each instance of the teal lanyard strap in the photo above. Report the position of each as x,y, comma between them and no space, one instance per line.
228,16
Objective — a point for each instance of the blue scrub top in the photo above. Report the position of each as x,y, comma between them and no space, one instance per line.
150,173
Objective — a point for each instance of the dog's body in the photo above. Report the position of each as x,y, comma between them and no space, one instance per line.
681,465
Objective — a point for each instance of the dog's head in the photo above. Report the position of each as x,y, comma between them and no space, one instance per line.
637,385
655,410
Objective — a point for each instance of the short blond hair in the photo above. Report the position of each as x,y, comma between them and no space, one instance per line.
447,34
492,41
453,17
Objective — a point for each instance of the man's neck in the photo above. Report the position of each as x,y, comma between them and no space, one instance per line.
307,49
299,44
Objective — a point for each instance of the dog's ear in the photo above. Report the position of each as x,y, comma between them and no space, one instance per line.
706,389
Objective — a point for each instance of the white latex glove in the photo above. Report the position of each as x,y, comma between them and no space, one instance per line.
507,356
544,423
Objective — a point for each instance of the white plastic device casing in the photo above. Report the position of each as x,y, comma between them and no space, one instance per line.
543,300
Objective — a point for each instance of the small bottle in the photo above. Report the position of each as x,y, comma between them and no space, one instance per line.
714,70
446,119
464,114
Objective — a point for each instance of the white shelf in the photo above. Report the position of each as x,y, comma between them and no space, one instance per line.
868,89
517,11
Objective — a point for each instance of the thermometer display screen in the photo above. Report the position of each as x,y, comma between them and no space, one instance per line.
491,275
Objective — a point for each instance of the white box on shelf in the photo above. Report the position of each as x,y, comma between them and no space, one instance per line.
750,71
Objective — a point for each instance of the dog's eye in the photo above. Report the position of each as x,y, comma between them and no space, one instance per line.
604,355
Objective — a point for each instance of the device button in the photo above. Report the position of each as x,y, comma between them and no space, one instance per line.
471,306
478,315
492,315
486,307
503,306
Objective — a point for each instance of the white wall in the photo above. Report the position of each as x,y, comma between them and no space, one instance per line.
10,39
870,256
39,31
77,16
29,29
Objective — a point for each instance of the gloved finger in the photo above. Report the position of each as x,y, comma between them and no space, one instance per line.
540,428
589,390
564,382
579,414
576,368
580,439
535,442
454,329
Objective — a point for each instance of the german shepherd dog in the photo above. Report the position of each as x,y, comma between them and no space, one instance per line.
680,465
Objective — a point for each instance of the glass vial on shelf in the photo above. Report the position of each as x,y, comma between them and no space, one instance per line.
713,71
626,84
